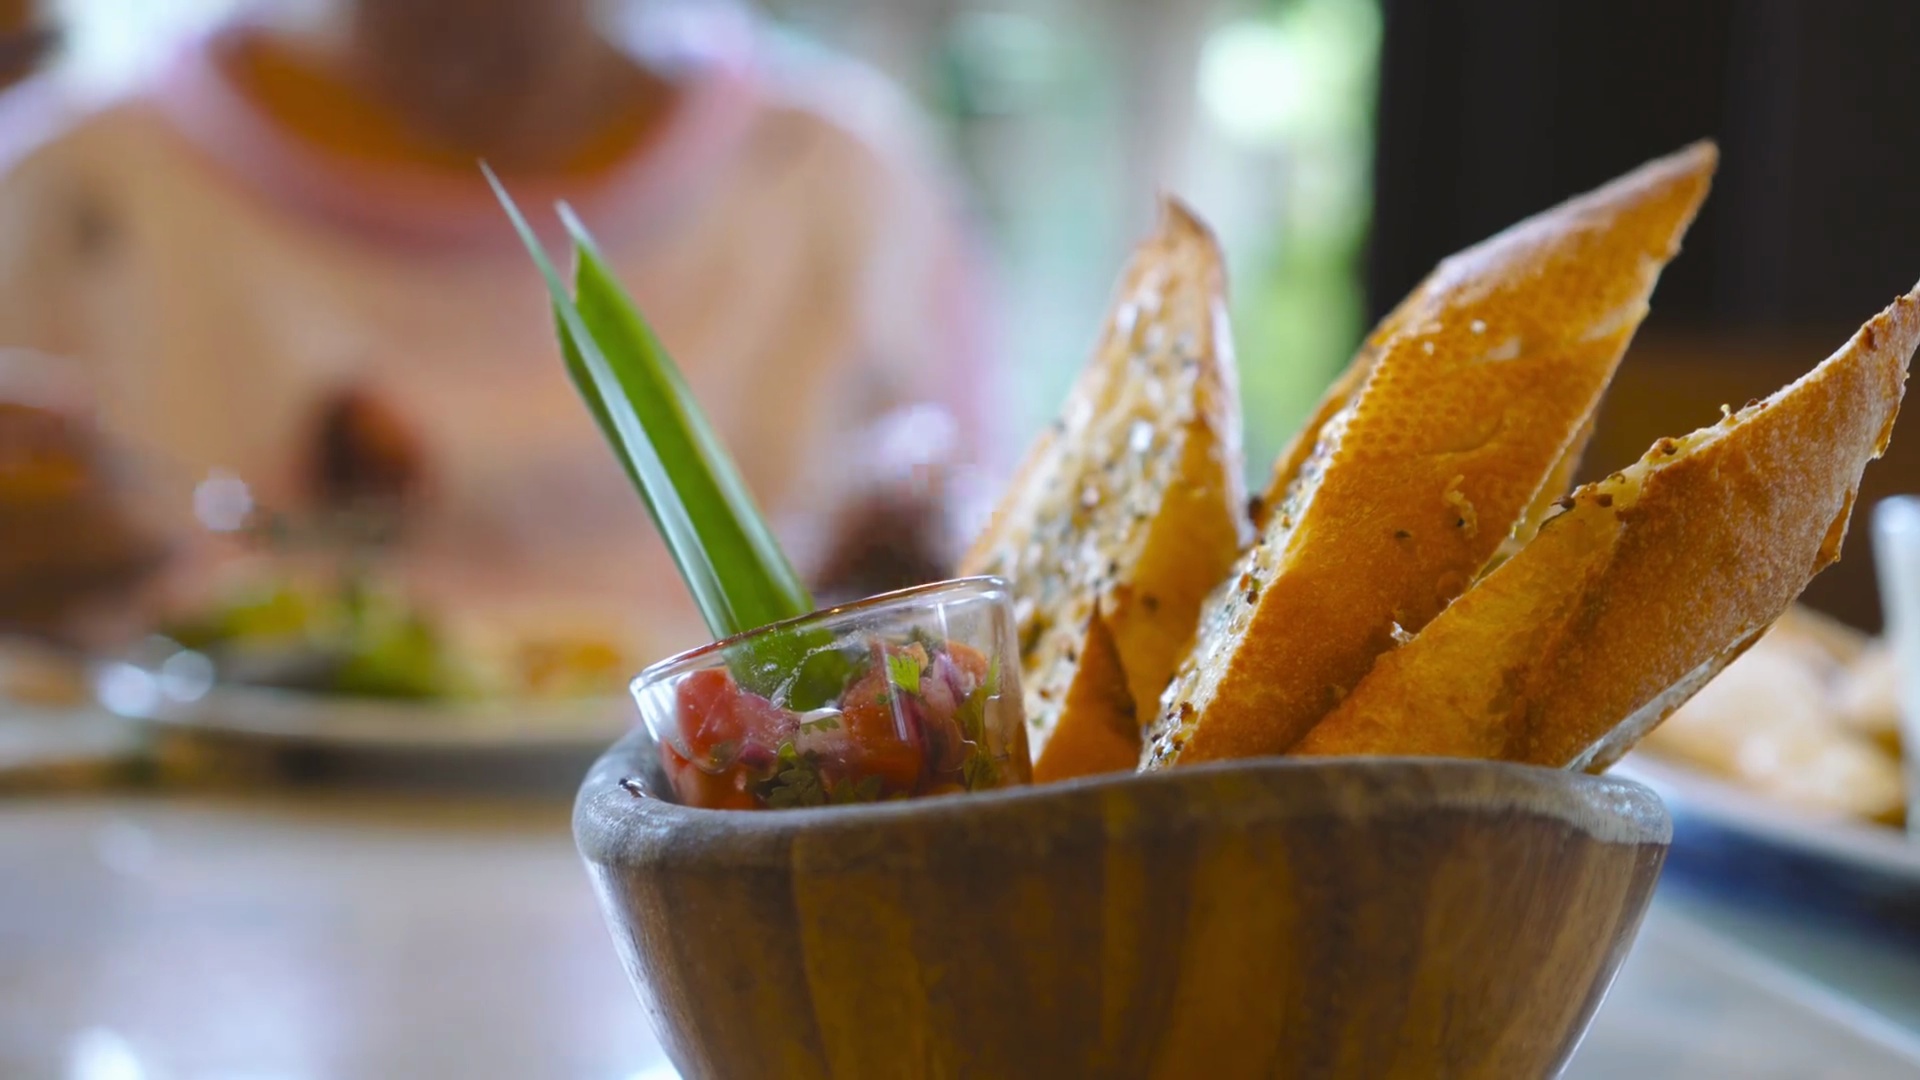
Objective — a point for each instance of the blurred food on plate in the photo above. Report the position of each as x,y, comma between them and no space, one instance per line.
1869,697
1808,717
357,636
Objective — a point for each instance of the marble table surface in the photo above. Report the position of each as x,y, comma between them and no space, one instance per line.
312,935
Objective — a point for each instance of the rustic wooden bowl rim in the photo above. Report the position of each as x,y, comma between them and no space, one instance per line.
618,821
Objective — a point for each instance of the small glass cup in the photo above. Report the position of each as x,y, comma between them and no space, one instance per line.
1896,554
909,693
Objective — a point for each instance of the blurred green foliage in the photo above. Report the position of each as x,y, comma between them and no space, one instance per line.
1063,115
1298,304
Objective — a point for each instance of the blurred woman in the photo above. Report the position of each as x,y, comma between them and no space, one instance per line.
279,261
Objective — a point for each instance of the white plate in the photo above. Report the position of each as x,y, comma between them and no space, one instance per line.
587,725
1735,842
1876,848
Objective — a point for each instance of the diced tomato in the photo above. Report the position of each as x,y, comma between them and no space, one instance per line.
704,704
718,719
880,747
697,787
969,660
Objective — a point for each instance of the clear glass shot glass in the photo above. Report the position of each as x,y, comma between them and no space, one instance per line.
905,694
1896,555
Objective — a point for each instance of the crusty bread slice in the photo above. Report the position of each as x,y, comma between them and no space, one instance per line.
1128,510
1649,583
1474,394
1300,449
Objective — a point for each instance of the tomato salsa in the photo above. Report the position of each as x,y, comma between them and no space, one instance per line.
899,720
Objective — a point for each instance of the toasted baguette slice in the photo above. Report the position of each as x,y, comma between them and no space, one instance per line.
1647,585
1128,510
1476,391
1300,449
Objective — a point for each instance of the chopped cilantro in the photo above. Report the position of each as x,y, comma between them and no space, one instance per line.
763,663
930,644
972,715
823,676
796,780
980,770
903,670
802,669
866,790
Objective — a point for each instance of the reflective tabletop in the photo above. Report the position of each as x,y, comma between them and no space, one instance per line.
309,934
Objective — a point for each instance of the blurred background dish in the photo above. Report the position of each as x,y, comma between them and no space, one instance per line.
363,726
1785,780
1760,852
1806,718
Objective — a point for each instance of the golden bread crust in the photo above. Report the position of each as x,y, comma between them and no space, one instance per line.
1127,510
1647,585
1479,387
1299,450
1103,734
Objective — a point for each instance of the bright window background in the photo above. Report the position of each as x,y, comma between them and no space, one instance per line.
1067,116
110,44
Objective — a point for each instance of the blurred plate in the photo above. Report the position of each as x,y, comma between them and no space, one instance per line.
1756,850
345,723
161,683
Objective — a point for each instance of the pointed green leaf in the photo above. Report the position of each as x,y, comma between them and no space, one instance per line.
760,583
732,564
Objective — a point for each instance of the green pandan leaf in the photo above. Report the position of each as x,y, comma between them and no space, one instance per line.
721,543
761,584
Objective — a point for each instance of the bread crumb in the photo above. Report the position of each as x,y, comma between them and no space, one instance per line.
1468,520
1506,350
1398,633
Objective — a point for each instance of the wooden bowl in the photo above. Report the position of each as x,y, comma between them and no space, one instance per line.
1275,917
